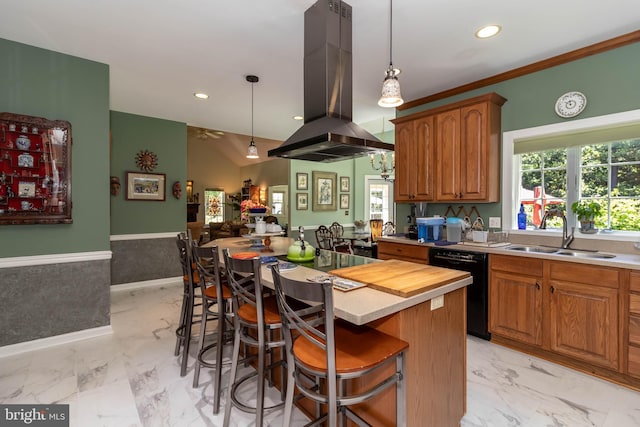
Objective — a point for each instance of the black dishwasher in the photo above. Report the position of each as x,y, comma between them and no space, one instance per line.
477,264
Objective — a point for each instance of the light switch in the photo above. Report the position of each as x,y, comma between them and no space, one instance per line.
494,222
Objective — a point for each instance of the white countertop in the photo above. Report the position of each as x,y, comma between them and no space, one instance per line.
359,306
621,260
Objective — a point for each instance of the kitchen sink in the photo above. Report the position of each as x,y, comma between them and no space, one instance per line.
559,251
579,254
537,249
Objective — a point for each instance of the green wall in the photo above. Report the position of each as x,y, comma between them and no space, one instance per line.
610,81
43,83
309,216
130,134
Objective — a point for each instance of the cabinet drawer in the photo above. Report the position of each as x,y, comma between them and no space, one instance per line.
392,250
635,281
634,329
634,303
634,361
513,264
586,274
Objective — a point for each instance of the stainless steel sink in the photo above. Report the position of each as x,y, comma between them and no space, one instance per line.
536,249
579,254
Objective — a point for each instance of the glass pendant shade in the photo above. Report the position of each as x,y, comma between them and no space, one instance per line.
391,96
252,151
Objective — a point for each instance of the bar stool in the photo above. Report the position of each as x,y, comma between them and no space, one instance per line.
255,319
335,352
216,303
190,280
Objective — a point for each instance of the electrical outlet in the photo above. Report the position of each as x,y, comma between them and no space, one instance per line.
494,222
346,213
437,302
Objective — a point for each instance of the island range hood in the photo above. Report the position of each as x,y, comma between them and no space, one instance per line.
328,134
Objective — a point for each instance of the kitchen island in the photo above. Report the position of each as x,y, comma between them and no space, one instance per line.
436,359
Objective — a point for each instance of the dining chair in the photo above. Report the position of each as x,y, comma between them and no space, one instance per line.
324,238
337,230
337,353
190,280
216,303
388,228
257,325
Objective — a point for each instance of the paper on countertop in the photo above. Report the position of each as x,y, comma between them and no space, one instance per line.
338,283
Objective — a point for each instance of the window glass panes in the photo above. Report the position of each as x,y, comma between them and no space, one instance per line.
555,158
277,207
594,181
625,151
213,205
608,173
595,154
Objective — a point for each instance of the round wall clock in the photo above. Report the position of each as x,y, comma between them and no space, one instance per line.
571,104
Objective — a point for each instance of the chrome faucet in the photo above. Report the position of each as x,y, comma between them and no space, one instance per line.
566,238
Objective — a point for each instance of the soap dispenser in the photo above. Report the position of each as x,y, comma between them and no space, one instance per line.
522,218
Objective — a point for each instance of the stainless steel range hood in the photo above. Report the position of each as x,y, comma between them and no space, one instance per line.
328,134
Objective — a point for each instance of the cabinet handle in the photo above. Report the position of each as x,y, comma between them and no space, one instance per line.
552,289
537,286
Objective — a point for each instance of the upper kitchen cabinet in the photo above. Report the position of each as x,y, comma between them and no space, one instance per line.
414,158
468,150
450,153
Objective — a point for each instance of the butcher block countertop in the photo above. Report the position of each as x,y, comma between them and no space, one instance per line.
400,278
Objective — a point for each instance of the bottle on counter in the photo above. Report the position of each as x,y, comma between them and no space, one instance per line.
522,218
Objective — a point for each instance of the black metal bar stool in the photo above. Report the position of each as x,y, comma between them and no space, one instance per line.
190,281
216,303
256,325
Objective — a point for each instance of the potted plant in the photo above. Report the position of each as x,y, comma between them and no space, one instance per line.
587,211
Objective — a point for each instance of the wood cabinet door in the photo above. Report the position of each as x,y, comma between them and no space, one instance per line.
404,184
448,155
515,306
424,152
584,322
474,152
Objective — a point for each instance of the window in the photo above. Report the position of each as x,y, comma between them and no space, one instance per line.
378,199
607,173
277,203
214,205
595,159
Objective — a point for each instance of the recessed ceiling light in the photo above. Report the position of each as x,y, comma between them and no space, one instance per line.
201,95
488,31
298,118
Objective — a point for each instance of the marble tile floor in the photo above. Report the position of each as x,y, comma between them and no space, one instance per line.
131,378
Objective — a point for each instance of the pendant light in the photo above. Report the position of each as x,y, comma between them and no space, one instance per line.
252,151
391,96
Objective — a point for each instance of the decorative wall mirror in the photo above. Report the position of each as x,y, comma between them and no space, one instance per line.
35,170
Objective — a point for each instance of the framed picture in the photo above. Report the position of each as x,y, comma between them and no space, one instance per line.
344,184
302,181
344,201
324,191
145,186
302,201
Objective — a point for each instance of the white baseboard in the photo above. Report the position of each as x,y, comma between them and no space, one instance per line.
167,281
39,344
26,261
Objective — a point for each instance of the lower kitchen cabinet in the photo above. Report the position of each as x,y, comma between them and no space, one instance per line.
515,298
404,252
567,308
633,355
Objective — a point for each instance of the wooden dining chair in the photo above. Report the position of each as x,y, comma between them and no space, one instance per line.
335,353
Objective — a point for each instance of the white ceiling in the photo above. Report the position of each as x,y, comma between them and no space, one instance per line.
162,51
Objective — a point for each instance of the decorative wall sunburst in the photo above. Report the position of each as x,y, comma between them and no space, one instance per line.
146,160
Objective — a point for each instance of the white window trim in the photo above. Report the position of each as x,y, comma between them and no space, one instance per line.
510,170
